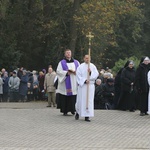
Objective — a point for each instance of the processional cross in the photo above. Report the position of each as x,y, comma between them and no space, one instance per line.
90,36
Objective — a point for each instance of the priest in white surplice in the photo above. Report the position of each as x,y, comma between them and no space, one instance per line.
84,106
67,84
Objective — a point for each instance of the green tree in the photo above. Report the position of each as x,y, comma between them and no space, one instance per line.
116,26
35,33
10,55
145,42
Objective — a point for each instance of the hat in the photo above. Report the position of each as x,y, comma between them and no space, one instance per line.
44,70
107,75
34,71
107,68
110,80
5,72
25,71
14,72
131,63
146,58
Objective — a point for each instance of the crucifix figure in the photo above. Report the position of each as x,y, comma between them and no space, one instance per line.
90,36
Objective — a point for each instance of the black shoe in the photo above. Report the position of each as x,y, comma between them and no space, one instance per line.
77,116
132,110
48,106
73,113
142,114
87,119
65,114
146,113
123,109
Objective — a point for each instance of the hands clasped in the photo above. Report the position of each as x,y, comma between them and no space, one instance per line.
71,72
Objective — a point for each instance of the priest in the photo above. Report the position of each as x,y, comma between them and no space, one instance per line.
86,74
67,84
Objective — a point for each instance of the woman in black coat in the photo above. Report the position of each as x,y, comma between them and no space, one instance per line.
5,87
142,86
30,87
117,86
23,88
127,100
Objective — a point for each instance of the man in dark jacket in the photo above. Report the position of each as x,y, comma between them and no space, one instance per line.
20,72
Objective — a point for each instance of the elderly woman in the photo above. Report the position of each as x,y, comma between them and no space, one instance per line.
5,86
98,94
30,87
1,87
149,93
23,85
41,79
35,85
142,84
127,99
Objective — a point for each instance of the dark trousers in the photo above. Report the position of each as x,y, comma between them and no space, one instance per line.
66,103
127,101
40,95
22,98
144,102
5,97
35,94
1,96
57,98
14,96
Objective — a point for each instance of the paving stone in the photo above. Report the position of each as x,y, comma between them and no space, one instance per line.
33,126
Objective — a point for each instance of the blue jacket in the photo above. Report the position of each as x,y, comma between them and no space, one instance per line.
23,85
5,85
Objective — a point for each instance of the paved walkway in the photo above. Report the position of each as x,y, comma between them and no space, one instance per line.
33,126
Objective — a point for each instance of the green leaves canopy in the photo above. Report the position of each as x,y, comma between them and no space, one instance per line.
34,34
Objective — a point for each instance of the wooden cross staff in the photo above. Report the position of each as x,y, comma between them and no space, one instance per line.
90,36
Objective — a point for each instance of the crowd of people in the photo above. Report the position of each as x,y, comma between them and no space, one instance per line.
128,90
81,88
21,85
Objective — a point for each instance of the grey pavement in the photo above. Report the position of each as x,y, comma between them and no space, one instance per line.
33,126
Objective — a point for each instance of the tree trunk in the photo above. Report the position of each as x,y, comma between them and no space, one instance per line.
73,26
